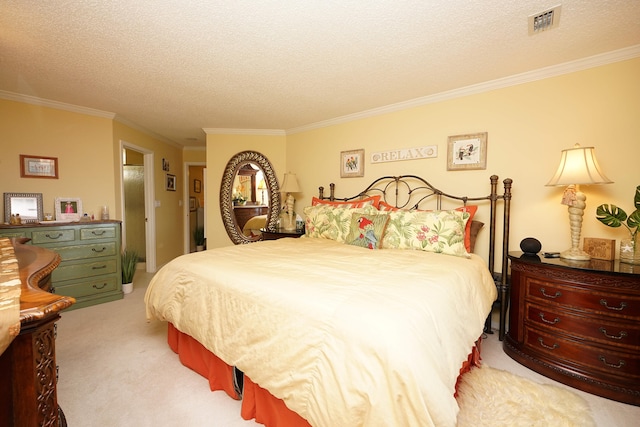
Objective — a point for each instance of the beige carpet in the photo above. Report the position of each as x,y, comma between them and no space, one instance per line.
491,397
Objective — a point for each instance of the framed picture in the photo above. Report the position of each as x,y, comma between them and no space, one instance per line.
38,167
27,205
197,186
467,152
193,206
68,209
351,163
165,165
171,182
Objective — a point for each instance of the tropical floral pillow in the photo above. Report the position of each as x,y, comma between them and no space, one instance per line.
330,222
432,231
367,229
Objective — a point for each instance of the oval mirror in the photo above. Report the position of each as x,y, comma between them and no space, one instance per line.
246,179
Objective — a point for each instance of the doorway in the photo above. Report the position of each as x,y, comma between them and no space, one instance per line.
138,225
195,205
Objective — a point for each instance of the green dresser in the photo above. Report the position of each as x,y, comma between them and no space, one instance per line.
90,270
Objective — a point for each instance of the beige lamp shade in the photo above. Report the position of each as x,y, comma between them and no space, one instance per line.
290,183
578,165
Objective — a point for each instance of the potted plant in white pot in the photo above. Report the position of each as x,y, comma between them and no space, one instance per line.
129,264
198,237
613,216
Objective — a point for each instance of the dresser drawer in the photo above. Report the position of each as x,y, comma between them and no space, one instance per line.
595,328
88,287
93,250
39,237
68,271
608,361
614,304
93,233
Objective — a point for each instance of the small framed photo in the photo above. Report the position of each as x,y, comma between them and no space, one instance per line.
38,167
197,186
171,182
193,204
68,209
165,165
27,205
467,152
351,163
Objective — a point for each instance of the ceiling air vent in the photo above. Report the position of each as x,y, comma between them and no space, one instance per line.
544,20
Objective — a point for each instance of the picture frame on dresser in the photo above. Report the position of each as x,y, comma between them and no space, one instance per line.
27,205
68,209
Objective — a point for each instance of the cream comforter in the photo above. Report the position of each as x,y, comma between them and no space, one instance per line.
346,336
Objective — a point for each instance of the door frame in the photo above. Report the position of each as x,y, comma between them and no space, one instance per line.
149,202
185,203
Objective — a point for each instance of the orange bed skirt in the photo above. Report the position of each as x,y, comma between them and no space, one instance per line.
257,403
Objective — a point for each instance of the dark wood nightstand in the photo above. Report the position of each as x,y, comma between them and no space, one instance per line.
279,233
577,322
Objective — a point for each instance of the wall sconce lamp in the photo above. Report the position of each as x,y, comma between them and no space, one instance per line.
578,166
290,185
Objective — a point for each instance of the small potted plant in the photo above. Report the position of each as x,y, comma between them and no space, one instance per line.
239,200
198,237
613,216
129,264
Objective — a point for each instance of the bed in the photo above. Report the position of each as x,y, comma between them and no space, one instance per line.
335,328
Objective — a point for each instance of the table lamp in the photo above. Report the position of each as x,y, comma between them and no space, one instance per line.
262,186
578,166
290,185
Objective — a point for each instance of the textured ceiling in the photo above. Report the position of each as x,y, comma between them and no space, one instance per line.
174,67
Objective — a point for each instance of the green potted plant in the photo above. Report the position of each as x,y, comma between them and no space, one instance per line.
129,264
198,237
613,216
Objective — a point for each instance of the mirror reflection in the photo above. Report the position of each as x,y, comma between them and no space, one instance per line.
249,197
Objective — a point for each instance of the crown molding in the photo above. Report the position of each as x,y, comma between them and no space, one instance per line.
34,100
517,79
230,131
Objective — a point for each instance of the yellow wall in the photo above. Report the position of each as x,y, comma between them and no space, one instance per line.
88,152
82,144
528,125
220,149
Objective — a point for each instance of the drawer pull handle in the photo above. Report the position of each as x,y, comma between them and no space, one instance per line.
97,232
544,293
549,347
99,287
619,337
57,236
622,305
99,250
618,366
550,322
99,267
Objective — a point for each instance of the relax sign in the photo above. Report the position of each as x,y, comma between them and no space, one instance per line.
405,154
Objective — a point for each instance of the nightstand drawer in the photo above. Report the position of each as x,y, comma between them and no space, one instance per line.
85,269
600,329
88,287
614,304
53,236
86,251
608,361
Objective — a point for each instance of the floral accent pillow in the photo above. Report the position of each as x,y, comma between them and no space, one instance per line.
431,231
330,222
367,230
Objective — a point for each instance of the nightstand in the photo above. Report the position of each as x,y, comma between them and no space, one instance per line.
279,233
577,322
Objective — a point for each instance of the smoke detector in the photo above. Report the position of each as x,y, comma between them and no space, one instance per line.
543,21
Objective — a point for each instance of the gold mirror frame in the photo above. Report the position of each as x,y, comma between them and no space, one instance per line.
226,194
